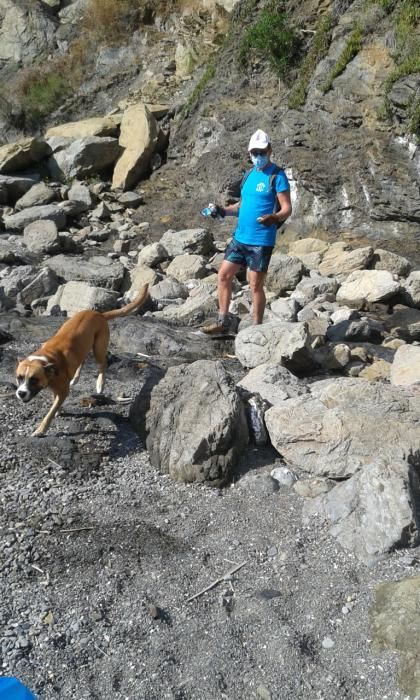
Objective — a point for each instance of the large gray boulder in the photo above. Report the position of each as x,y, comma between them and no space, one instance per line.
14,186
193,312
340,260
168,344
51,212
280,342
43,285
309,288
196,424
196,240
82,157
284,273
370,286
98,270
374,511
344,425
274,383
168,289
152,254
77,296
42,237
186,267
38,195
396,264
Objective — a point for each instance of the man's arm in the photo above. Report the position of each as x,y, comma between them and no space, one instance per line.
230,210
284,213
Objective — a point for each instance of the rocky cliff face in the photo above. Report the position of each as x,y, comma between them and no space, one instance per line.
353,172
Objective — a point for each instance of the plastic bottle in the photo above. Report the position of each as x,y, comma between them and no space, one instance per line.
209,210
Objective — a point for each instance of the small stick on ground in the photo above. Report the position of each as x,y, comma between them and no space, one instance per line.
217,581
99,649
56,464
33,566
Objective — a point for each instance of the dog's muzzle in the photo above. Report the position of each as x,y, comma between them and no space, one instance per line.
24,394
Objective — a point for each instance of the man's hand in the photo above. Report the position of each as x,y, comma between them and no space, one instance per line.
268,220
218,212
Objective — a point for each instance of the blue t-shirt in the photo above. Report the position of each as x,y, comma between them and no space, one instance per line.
258,199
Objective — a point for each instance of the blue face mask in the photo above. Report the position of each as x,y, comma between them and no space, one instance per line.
260,161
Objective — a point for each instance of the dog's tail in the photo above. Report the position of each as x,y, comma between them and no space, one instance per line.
125,310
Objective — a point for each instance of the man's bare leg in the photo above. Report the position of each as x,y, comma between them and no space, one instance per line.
226,274
256,282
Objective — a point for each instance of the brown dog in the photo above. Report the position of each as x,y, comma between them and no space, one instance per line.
58,362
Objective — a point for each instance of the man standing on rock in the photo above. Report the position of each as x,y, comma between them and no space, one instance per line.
264,205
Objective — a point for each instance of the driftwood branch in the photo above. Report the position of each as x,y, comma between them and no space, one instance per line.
217,581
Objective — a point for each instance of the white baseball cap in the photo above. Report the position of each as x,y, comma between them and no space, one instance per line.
258,140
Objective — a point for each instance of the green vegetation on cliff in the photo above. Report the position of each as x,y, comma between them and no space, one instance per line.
351,49
406,25
317,51
271,37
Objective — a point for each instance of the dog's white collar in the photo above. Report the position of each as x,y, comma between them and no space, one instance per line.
41,358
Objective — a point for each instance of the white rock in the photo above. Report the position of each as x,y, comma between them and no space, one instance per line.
405,369
370,286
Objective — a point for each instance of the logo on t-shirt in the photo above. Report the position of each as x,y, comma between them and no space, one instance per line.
260,187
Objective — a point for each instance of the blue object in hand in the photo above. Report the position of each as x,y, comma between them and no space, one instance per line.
210,210
214,211
12,689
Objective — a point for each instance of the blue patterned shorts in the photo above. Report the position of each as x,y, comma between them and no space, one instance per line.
254,257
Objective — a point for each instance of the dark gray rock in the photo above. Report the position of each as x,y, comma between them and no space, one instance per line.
167,344
38,195
362,330
52,212
14,186
404,322
196,425
98,270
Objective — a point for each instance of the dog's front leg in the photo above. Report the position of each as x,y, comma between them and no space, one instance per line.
76,375
45,423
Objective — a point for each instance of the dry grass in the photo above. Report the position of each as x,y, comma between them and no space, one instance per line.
108,20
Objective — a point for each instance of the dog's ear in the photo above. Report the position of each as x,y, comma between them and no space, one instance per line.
19,360
50,370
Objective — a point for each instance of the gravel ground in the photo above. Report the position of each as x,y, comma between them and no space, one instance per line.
99,554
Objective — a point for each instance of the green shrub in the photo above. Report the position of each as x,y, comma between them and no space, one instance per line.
317,51
414,117
406,56
41,93
208,75
387,5
271,37
350,50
